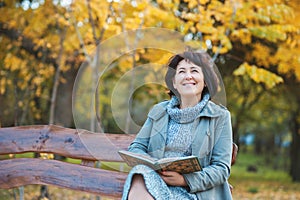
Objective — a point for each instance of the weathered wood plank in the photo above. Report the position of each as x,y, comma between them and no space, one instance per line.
78,144
25,171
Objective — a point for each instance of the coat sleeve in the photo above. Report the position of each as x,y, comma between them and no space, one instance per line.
217,171
141,141
146,140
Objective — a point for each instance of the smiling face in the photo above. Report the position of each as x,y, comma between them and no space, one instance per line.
188,80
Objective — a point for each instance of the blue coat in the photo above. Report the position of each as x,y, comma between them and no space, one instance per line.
212,144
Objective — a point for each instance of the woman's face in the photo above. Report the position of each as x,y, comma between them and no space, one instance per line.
188,80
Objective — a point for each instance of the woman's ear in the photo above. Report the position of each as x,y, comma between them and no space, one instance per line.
173,81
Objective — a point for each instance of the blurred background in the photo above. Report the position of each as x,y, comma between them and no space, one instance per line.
48,45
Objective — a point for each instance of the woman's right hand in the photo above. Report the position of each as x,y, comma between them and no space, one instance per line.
173,178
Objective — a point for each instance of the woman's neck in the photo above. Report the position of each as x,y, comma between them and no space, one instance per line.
189,102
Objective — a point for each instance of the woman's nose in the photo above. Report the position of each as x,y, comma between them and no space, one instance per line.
188,76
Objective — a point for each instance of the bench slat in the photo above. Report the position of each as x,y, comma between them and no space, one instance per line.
25,171
72,143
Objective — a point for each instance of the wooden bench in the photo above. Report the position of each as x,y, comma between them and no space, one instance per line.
71,143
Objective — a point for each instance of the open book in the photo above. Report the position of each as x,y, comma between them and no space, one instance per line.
181,165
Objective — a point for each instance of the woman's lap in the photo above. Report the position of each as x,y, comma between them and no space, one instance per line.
156,186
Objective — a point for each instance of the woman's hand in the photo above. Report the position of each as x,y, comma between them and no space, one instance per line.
173,178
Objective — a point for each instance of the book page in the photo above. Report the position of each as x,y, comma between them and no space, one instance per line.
133,159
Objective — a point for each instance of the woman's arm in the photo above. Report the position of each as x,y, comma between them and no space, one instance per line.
218,170
141,141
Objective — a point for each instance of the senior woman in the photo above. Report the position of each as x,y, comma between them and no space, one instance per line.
187,124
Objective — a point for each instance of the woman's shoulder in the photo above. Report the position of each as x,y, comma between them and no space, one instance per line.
217,106
158,110
212,109
162,104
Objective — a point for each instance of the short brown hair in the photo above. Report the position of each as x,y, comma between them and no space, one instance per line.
201,59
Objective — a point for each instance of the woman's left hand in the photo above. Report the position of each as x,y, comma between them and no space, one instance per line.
173,178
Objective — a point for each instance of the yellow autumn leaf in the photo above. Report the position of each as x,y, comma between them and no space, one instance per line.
205,28
192,3
37,80
191,16
37,115
38,92
156,56
259,75
125,63
20,104
242,35
221,50
262,53
14,63
2,85
203,2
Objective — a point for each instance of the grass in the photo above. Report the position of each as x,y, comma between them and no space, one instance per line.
263,170
264,184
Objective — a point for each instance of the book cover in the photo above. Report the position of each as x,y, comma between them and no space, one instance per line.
181,165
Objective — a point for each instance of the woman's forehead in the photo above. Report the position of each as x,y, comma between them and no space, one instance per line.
184,62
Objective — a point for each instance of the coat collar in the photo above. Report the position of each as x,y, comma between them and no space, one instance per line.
210,110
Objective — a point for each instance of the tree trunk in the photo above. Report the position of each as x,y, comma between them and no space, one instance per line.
295,146
292,94
63,107
57,78
258,146
236,136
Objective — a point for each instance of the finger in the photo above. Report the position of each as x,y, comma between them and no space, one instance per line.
168,173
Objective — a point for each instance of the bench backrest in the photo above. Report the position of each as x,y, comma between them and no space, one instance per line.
78,144
71,143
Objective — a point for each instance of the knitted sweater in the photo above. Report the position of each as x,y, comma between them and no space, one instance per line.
181,127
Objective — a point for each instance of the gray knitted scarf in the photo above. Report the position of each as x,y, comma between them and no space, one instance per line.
181,126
